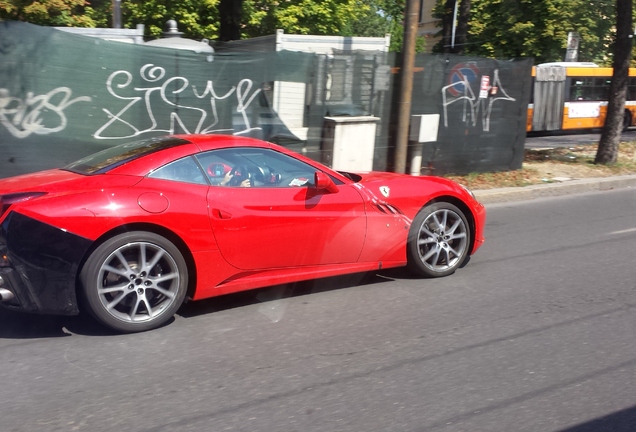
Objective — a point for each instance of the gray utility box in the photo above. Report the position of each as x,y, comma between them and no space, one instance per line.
349,143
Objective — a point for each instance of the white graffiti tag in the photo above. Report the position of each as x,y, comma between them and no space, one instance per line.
36,114
472,103
168,91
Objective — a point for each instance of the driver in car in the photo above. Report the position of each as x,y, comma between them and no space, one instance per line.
228,177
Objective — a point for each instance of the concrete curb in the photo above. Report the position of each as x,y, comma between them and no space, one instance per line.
490,196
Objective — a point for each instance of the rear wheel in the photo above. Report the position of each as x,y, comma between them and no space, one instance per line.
627,120
134,281
439,240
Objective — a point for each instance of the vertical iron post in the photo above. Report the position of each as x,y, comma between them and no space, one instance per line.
116,14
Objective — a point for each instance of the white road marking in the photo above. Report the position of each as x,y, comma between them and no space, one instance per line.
630,230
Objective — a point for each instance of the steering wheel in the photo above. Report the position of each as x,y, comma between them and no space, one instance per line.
239,174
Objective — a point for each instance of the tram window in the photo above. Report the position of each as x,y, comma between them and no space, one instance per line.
589,89
631,89
576,89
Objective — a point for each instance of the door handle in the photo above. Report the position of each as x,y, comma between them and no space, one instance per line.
220,214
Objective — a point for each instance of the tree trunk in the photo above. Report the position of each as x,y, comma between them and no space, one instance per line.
607,152
447,25
463,16
230,22
455,46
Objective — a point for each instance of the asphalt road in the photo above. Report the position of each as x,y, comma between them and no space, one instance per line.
535,334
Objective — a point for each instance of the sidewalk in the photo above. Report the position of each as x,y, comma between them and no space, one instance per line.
491,196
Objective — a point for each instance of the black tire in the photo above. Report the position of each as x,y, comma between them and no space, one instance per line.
127,296
627,120
439,240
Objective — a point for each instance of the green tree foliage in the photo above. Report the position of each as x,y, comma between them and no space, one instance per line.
397,40
197,19
497,28
59,13
384,17
369,18
538,29
317,17
379,20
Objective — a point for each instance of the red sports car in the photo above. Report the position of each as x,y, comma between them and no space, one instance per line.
133,231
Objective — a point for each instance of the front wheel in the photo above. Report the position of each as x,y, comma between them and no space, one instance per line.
439,240
134,281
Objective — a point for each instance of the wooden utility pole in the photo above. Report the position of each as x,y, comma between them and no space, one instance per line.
411,15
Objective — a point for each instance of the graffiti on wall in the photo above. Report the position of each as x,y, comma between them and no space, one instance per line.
36,114
170,89
460,90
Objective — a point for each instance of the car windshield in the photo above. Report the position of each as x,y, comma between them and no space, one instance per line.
110,158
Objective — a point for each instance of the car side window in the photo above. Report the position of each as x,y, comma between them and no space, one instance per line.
255,167
183,170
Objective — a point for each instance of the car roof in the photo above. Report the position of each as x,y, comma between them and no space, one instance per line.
191,144
211,142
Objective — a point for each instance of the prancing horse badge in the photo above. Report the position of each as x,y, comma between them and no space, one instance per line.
384,190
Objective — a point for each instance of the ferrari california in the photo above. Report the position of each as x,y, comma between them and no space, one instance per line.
131,233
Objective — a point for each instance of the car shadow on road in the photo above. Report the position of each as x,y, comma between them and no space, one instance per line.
620,421
19,325
278,292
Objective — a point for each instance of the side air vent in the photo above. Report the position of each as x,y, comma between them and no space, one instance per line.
386,208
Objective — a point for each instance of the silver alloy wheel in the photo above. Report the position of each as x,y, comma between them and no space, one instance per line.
138,282
441,240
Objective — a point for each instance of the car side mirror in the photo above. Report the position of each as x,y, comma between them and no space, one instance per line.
324,182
